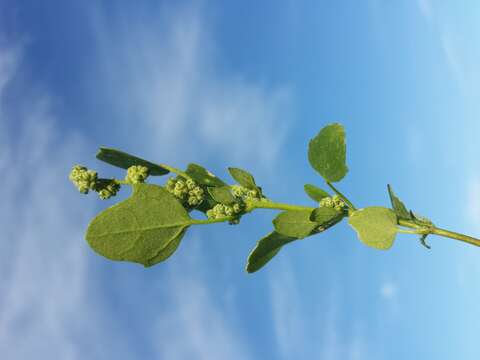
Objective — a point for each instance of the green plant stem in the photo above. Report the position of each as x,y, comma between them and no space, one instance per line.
343,197
210,221
255,204
176,171
440,232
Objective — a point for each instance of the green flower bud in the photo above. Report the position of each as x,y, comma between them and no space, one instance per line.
326,202
252,194
237,208
211,214
170,184
228,210
338,208
109,190
136,174
190,184
83,178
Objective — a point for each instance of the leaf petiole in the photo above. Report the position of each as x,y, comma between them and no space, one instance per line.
343,197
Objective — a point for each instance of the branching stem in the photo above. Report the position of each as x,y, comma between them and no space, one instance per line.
343,197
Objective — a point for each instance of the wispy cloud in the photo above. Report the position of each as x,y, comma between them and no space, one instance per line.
173,86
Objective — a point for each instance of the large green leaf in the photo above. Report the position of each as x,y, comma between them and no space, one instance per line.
376,226
123,160
295,223
266,248
243,177
315,193
327,153
146,228
222,194
398,206
202,176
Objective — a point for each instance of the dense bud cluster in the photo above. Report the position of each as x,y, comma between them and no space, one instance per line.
185,190
332,202
83,178
136,174
243,193
108,190
221,211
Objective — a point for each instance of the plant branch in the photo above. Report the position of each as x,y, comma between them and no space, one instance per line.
343,197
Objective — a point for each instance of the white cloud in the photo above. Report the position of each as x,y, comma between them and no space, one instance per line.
42,264
287,314
176,90
388,290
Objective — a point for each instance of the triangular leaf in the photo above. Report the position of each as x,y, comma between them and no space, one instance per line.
398,205
222,194
266,248
295,223
327,153
243,177
123,160
315,193
202,176
376,226
146,228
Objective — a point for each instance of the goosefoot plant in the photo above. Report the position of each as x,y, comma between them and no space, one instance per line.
148,227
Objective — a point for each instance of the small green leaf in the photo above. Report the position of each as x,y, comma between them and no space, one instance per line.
376,226
420,220
398,205
123,160
202,176
325,216
222,194
243,177
295,223
146,228
315,193
327,153
266,248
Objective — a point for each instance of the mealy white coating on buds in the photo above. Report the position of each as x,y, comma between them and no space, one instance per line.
83,178
136,174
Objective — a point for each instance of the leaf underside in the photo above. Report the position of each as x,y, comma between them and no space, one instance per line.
202,176
375,226
265,249
123,160
295,223
315,193
327,153
243,177
146,228
222,194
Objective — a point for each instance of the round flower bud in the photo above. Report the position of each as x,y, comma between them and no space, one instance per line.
109,190
83,178
210,214
236,208
136,174
190,184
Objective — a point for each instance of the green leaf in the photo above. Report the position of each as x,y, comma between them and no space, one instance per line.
243,177
202,176
420,220
123,160
398,205
325,216
327,152
146,228
315,193
222,194
266,248
375,226
295,223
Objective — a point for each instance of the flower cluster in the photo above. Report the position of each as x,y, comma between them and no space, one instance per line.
332,202
244,193
107,190
83,178
187,191
221,211
136,174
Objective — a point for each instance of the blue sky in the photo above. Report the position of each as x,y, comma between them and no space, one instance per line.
240,84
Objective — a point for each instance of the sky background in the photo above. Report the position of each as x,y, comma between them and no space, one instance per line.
245,84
